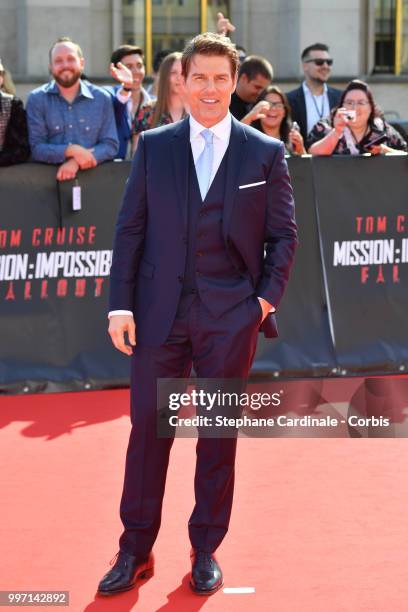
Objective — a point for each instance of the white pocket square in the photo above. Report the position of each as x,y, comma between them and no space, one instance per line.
252,185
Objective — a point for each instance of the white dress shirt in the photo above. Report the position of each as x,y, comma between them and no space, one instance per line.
317,107
221,136
222,133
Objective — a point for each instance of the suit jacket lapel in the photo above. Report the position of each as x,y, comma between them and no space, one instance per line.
236,152
180,149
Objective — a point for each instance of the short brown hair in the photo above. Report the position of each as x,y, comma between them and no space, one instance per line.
210,44
314,47
119,53
65,39
254,65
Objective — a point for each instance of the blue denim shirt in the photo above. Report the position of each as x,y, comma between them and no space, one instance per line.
54,123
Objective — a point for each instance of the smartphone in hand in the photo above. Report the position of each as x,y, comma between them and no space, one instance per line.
377,141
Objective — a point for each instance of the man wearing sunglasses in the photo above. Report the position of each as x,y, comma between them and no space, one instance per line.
314,99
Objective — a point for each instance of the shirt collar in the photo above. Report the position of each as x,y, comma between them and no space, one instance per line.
221,130
84,90
307,91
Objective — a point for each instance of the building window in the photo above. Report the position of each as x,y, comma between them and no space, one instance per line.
173,23
133,22
391,37
403,50
168,24
385,36
214,7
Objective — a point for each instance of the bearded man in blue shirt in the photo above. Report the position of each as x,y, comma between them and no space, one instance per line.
70,121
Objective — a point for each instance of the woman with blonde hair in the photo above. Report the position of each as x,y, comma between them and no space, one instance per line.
169,106
7,84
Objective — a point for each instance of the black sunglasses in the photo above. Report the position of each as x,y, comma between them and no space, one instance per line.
320,62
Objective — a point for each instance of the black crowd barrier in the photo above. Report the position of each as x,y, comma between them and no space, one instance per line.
344,311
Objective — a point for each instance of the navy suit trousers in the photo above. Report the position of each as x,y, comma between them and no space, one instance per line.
218,348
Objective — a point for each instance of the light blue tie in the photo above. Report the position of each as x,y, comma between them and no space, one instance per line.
205,162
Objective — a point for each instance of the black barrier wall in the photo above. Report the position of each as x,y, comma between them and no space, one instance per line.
346,316
363,222
54,266
304,346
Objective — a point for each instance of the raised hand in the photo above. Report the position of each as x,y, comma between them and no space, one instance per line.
121,74
224,25
257,112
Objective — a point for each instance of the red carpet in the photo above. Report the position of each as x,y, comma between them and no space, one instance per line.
317,524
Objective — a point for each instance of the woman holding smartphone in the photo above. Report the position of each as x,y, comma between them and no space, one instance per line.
271,115
355,127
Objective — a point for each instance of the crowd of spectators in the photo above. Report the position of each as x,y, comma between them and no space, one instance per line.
76,125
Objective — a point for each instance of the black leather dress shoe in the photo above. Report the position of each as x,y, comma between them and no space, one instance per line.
125,572
206,575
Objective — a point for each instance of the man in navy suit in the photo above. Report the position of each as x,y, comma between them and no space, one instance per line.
314,99
203,247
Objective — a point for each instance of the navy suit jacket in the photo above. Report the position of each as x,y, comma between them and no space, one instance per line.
122,122
149,251
297,103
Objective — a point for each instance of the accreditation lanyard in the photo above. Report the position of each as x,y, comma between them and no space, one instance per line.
319,111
